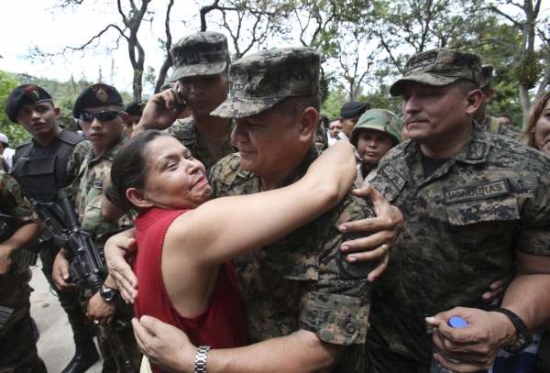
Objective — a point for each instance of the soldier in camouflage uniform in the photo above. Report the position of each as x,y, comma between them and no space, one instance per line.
306,303
476,210
201,63
47,163
376,132
99,111
17,342
487,122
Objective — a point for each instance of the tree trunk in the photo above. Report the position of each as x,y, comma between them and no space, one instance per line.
525,104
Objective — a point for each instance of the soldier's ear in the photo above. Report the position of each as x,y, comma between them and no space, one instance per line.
137,198
309,121
57,111
474,100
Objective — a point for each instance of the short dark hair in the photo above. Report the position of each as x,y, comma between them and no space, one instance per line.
129,168
295,105
466,86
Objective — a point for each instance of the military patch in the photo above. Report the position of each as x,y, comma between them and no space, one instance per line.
477,192
101,93
477,151
238,80
391,174
32,92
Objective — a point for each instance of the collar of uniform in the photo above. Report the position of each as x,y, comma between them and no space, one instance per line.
477,148
108,154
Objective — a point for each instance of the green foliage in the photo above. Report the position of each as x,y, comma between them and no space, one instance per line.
14,131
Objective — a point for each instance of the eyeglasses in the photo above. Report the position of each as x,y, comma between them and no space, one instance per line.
102,116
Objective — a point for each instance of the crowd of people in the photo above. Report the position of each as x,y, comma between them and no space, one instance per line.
241,231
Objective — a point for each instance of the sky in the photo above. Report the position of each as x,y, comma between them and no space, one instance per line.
27,24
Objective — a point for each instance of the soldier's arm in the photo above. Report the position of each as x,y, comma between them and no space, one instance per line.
22,237
19,208
161,110
527,296
169,347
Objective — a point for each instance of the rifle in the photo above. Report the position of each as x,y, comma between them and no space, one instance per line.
63,227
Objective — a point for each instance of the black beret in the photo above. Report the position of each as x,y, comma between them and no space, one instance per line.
24,95
353,109
95,96
135,108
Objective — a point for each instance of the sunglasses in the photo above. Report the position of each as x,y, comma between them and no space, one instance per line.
102,116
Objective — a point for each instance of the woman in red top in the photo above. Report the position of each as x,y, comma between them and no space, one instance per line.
185,242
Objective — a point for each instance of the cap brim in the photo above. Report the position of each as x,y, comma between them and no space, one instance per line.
424,78
197,70
236,107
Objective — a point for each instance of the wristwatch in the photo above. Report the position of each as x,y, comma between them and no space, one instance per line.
200,359
524,337
108,294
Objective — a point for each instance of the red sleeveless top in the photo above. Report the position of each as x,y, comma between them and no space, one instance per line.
221,325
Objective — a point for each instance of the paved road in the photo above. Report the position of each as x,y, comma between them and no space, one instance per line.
55,345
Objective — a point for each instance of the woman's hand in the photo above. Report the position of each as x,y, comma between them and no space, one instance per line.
116,249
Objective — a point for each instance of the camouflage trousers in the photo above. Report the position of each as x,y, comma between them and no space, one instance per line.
381,360
116,341
17,341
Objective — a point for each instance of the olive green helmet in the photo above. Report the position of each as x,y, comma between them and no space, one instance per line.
378,120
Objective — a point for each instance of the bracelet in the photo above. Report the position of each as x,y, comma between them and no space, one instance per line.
200,359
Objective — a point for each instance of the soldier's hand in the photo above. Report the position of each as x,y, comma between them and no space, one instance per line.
383,230
5,259
60,272
99,311
117,249
493,295
165,346
162,110
474,347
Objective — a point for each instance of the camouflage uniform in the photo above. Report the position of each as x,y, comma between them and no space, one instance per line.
197,55
116,341
375,120
302,280
17,341
42,171
185,131
463,224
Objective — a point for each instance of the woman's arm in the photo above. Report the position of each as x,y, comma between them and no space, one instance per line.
231,226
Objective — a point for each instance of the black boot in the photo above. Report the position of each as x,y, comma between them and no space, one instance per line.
83,359
86,353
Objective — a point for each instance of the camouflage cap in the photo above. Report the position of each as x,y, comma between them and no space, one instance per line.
378,120
486,75
439,67
258,82
25,94
203,53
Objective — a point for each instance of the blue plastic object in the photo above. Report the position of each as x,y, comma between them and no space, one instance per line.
457,322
